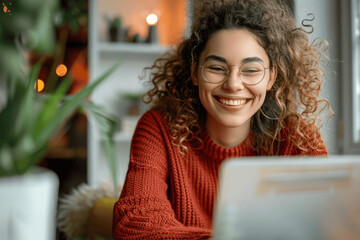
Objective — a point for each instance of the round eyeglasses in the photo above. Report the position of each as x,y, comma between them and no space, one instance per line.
251,73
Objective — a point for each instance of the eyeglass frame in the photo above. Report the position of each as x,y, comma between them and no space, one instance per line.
227,75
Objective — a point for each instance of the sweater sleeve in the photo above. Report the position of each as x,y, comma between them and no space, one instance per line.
143,210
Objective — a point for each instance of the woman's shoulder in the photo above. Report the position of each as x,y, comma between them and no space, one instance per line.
152,121
294,127
304,137
152,115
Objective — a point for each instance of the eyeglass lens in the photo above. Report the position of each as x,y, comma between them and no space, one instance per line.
251,73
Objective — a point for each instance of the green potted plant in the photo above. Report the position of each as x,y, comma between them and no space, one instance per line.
116,30
28,120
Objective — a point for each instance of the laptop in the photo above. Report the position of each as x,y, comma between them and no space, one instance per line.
288,198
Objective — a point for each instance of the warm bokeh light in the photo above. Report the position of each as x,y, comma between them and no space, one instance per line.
6,9
151,19
61,70
39,85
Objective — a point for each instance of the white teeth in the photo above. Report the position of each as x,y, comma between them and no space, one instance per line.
233,102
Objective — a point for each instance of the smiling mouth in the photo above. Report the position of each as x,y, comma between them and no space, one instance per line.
232,102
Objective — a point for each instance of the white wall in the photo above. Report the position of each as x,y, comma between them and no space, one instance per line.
326,27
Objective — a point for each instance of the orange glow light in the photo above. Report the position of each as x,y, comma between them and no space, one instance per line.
39,85
61,70
6,9
151,19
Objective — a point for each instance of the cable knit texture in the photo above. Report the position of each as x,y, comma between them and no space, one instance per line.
169,196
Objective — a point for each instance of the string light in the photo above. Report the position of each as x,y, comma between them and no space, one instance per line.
39,85
152,19
61,70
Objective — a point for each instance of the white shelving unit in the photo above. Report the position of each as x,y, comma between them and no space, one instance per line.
102,55
131,48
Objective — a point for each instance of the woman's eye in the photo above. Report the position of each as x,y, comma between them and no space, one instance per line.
217,69
250,70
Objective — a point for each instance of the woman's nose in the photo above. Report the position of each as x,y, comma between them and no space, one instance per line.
233,81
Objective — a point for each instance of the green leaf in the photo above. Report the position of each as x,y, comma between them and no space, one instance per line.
70,105
50,107
74,25
16,118
9,114
10,59
41,36
110,153
108,124
25,163
23,121
6,165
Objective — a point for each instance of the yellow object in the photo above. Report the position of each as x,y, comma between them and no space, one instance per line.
39,85
100,219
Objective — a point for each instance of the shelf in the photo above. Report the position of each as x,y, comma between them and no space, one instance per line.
66,153
139,48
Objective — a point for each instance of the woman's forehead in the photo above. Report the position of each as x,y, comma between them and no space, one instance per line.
234,46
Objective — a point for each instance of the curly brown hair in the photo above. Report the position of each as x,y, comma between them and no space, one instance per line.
294,98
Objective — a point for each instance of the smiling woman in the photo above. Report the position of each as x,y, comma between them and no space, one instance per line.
231,93
246,82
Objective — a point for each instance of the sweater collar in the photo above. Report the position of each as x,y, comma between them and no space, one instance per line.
220,153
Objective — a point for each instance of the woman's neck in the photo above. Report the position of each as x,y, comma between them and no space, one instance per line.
228,136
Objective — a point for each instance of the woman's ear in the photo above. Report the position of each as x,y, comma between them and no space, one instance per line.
194,75
273,75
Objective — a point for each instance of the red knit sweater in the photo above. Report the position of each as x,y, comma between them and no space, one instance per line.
168,196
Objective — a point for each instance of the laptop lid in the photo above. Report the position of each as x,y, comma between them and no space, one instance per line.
288,198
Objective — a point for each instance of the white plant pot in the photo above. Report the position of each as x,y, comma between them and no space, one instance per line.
28,206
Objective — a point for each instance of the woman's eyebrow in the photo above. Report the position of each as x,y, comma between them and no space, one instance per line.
252,59
215,57
245,60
